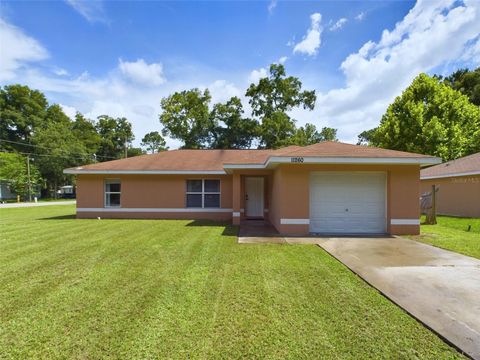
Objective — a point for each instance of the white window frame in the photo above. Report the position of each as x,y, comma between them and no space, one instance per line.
203,193
107,193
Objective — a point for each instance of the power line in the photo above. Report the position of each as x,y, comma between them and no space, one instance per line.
48,148
45,155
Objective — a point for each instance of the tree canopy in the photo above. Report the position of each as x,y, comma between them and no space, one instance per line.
465,81
186,117
116,136
271,99
154,142
53,141
431,118
232,129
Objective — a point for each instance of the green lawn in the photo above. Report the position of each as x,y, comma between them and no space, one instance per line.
451,233
91,289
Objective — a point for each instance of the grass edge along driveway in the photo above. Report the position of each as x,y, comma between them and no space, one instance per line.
94,289
451,233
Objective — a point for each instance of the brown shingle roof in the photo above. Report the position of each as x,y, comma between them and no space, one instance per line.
214,160
339,149
467,164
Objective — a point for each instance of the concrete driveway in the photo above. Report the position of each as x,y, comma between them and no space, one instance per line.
438,287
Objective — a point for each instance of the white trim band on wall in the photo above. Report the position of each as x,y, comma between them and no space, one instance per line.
155,210
405,221
295,221
236,214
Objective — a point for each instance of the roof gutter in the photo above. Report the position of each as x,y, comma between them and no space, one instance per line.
468,173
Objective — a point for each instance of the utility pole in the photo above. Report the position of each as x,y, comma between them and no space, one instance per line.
29,183
126,144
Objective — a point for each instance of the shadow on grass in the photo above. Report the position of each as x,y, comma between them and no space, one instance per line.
228,229
61,217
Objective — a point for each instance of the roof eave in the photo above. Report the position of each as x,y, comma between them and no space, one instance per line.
460,174
143,172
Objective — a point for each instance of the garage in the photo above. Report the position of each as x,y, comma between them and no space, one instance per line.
348,202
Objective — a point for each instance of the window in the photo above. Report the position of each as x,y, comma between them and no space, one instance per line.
203,193
112,193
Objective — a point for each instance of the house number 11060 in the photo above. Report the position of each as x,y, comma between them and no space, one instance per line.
297,159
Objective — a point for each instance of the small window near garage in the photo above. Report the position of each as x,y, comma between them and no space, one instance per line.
203,193
112,192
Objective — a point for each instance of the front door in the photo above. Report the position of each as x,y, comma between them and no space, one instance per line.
254,196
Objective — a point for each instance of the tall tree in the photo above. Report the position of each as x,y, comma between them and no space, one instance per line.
271,100
431,118
57,148
84,130
116,136
185,116
233,131
22,110
154,142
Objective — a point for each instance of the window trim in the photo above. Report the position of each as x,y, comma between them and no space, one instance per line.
203,193
107,193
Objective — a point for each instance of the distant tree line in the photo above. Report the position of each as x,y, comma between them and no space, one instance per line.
36,133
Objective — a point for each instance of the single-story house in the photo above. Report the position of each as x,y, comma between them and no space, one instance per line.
458,183
327,188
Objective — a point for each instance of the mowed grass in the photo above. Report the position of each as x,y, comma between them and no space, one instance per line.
93,289
452,233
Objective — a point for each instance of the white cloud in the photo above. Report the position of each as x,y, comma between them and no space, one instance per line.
70,111
142,73
16,50
256,75
272,5
222,90
338,25
472,52
60,72
311,41
92,10
431,34
360,16
283,60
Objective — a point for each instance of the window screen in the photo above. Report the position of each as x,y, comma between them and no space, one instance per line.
112,193
203,193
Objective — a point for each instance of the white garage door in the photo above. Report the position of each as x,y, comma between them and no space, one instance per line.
347,202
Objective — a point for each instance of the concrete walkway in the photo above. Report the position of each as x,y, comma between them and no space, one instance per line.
438,287
33,204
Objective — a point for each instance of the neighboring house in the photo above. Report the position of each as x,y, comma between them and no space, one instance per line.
458,183
329,188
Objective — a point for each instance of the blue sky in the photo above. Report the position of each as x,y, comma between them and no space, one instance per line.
121,58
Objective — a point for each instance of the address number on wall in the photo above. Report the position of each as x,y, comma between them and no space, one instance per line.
296,159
